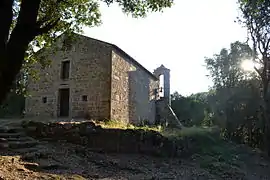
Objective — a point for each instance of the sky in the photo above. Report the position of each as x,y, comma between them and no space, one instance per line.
179,38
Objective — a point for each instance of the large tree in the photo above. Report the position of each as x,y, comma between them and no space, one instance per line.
234,99
256,18
225,68
28,23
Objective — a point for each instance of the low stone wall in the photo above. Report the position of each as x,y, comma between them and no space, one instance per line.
104,140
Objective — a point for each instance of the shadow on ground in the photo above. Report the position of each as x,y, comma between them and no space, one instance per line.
30,158
27,157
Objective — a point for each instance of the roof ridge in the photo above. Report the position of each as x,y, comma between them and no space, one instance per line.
123,52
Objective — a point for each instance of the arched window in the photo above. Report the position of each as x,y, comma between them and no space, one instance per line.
161,85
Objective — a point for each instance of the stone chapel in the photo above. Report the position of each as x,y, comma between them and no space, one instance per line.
98,80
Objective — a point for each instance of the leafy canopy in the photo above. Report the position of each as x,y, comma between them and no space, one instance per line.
57,16
255,16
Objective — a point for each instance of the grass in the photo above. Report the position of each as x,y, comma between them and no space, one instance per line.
207,135
210,150
113,124
205,143
188,132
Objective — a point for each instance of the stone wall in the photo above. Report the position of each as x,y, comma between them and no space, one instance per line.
133,91
92,78
105,140
89,75
41,88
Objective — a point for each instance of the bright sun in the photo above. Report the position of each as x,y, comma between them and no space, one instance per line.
247,65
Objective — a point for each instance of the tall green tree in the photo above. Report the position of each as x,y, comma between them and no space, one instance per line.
234,98
226,73
28,23
256,18
225,68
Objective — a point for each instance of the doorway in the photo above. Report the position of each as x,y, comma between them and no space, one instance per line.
64,102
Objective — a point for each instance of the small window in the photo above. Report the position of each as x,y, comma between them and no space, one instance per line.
67,44
44,99
84,98
65,70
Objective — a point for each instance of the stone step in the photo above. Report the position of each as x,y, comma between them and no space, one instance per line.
3,140
18,144
21,139
12,135
10,130
46,164
3,143
26,150
30,156
37,148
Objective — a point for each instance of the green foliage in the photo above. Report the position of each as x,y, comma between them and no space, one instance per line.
73,15
61,16
208,119
234,103
190,110
255,16
236,111
225,68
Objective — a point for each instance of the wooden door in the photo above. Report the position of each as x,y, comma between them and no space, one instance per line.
64,102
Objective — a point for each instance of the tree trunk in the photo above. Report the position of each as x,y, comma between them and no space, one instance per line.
13,49
265,113
6,15
266,126
266,129
10,71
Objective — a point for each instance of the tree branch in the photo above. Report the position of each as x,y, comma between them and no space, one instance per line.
24,31
258,71
42,20
59,1
267,44
46,28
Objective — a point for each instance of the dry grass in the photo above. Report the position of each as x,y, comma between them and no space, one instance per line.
12,168
111,124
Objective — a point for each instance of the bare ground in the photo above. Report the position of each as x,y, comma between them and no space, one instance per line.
67,161
47,160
